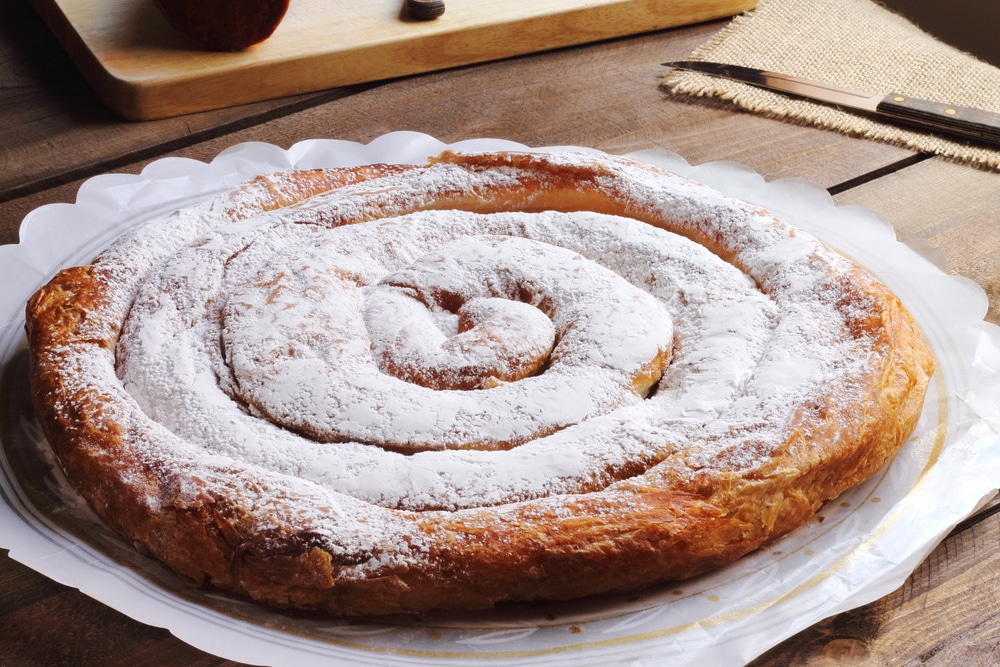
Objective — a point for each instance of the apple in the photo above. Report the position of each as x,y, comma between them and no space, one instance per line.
224,25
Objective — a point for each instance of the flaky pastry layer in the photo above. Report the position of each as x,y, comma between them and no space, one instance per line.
709,485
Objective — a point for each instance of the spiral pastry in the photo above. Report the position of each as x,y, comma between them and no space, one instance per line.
506,376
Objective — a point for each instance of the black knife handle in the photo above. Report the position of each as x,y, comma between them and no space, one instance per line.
958,122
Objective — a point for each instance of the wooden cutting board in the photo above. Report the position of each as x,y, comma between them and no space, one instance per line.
142,69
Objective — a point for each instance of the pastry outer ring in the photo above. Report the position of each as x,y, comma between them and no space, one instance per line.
241,529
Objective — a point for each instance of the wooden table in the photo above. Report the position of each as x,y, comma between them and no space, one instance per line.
54,133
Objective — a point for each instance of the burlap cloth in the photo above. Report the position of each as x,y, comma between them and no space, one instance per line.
852,43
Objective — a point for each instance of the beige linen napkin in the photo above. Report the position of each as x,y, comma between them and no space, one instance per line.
852,43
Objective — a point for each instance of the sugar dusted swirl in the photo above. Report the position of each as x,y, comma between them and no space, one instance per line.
355,352
498,377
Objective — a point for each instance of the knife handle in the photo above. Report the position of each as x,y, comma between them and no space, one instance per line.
959,122
424,10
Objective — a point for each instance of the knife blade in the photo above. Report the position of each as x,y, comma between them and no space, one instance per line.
953,121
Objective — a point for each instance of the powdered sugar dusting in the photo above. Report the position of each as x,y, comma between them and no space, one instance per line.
266,349
288,302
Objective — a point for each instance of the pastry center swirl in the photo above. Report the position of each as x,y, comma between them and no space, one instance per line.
446,358
472,345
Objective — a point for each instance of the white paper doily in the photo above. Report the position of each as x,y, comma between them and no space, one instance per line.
863,545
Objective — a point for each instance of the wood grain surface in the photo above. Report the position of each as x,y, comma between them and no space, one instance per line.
946,614
55,132
143,69
948,206
603,95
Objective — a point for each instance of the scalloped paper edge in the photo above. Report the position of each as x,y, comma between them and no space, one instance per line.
949,307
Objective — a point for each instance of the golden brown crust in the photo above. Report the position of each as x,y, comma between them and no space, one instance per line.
237,529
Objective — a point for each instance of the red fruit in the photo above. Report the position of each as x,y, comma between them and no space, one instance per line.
224,25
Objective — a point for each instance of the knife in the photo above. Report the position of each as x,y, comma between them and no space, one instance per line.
954,121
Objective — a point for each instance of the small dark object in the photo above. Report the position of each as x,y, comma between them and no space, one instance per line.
425,9
224,25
